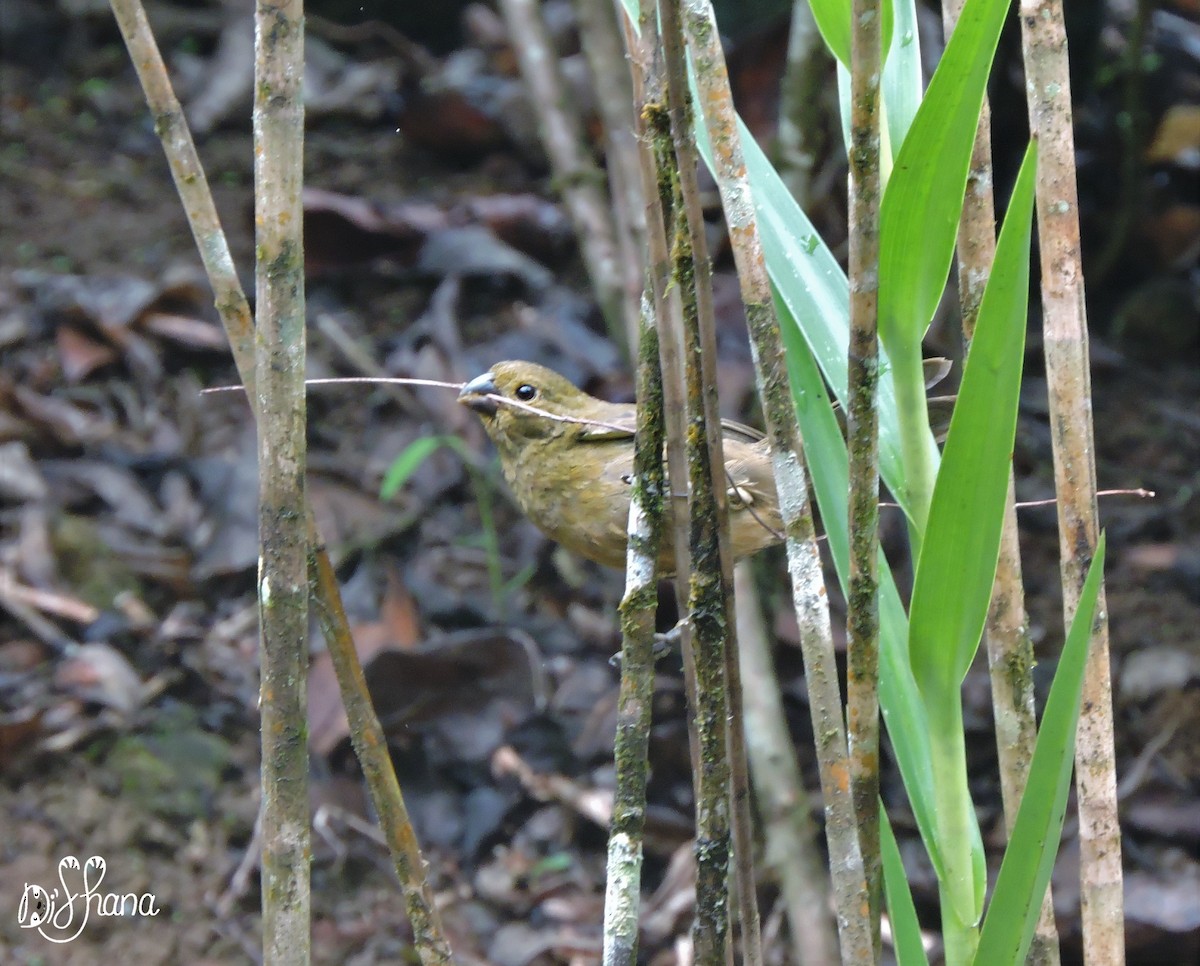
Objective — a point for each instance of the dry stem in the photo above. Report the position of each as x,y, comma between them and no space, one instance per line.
1048,89
804,562
366,733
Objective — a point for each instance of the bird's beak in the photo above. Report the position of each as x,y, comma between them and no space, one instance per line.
477,395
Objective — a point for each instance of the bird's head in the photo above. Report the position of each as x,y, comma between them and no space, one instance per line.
512,399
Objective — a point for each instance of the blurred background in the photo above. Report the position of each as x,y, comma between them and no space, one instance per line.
436,245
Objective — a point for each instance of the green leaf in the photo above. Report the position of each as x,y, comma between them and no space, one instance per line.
901,84
828,463
1029,858
902,914
407,463
918,217
957,565
833,21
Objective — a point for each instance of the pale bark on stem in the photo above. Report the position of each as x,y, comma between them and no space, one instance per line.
711,603
783,803
804,561
283,559
579,179
631,748
1048,89
656,167
1006,636
369,741
862,620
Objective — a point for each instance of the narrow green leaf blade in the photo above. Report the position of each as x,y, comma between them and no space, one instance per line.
918,217
833,21
825,452
1029,859
958,561
901,83
407,463
906,929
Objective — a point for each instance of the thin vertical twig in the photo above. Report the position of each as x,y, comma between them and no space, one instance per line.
656,169
579,179
862,620
283,544
783,432
710,586
1048,89
712,583
1006,636
631,748
783,803
370,744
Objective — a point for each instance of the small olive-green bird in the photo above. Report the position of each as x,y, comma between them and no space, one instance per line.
572,470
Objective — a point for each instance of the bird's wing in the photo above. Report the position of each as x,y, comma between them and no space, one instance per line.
735,430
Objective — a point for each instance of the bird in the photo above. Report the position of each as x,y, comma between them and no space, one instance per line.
568,459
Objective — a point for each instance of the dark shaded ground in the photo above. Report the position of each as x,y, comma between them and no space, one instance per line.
127,623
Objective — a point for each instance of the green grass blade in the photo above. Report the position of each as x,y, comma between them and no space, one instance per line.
918,217
906,929
958,561
811,284
901,83
1029,859
408,462
901,705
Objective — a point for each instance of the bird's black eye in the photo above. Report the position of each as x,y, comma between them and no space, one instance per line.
526,392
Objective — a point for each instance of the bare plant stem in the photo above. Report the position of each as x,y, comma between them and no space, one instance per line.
862,622
1009,647
1048,87
783,803
711,605
804,562
369,741
579,180
282,560
624,875
656,168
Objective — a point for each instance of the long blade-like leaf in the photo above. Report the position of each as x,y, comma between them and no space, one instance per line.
1029,859
901,705
918,218
902,914
958,561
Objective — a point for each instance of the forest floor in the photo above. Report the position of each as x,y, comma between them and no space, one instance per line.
128,636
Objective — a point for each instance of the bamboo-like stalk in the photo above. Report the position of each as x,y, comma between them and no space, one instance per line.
370,744
1006,637
783,803
282,543
708,523
578,178
1048,87
862,620
630,751
711,605
804,562
656,169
